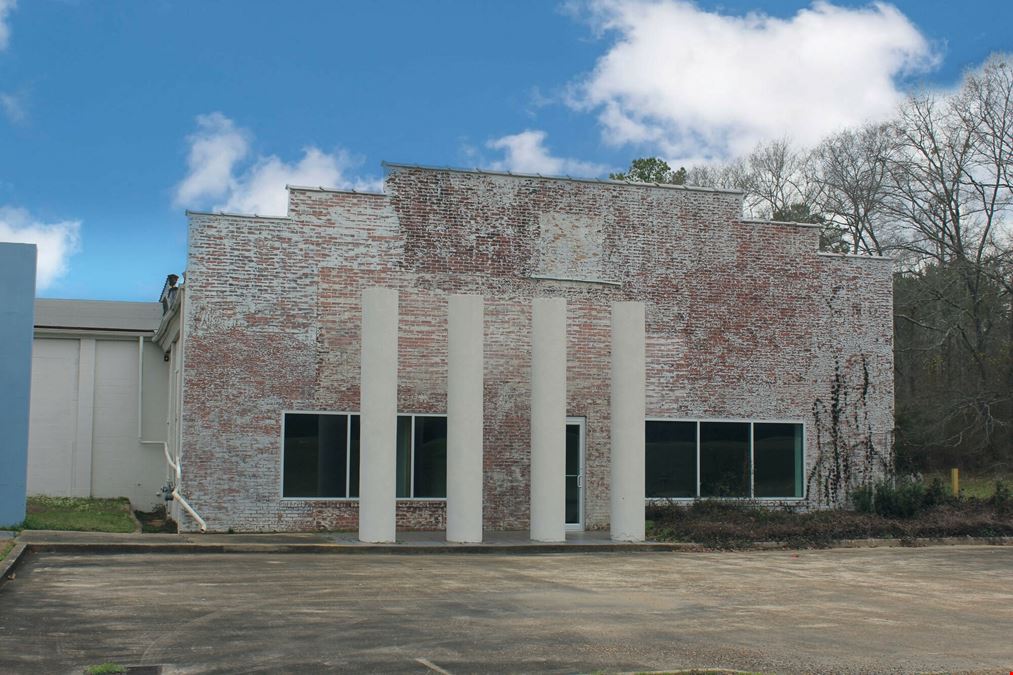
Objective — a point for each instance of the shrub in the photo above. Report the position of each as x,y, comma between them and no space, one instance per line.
1001,500
862,499
901,500
936,493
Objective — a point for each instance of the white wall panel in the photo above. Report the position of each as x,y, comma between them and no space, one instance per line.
121,466
53,419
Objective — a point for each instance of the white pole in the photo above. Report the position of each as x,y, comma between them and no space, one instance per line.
378,415
548,419
464,417
628,413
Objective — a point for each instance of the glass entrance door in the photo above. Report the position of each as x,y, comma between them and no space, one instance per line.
575,473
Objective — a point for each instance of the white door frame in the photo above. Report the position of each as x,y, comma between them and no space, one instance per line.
581,422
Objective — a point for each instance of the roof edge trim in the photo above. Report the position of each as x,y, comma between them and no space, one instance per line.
762,221
191,212
307,188
605,181
858,256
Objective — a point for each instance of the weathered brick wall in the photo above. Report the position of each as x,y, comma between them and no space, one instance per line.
745,321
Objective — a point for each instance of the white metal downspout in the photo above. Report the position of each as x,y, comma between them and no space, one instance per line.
177,466
175,490
177,472
140,388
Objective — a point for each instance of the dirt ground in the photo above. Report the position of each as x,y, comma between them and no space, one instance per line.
938,609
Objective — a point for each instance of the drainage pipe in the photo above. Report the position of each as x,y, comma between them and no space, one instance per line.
175,490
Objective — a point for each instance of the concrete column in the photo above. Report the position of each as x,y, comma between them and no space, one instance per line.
548,419
81,477
628,413
378,415
464,418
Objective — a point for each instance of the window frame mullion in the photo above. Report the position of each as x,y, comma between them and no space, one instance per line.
348,456
411,461
698,459
752,462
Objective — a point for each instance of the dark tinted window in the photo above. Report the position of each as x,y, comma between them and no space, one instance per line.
777,459
724,459
315,459
430,456
670,459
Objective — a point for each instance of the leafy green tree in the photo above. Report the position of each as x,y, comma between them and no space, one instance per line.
651,170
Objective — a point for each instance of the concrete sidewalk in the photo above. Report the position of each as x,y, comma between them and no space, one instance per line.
432,542
328,542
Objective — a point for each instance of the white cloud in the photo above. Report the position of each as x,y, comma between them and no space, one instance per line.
13,107
262,188
56,241
220,175
526,153
215,148
6,7
702,84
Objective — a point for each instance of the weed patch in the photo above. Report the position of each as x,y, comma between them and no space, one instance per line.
104,669
728,525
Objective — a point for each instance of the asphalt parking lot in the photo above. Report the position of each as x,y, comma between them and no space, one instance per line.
939,609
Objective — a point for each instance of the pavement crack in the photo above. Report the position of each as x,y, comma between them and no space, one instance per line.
432,666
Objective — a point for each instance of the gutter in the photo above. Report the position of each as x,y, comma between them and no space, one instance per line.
140,391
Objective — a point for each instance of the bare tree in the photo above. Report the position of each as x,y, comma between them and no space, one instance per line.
852,172
778,180
950,192
729,175
931,188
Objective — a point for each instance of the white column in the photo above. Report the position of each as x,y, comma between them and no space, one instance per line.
628,413
464,417
378,415
548,419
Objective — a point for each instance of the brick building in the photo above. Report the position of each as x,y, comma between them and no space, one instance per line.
769,365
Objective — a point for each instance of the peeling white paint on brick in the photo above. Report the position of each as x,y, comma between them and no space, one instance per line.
744,320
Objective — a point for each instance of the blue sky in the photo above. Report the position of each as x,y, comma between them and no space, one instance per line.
115,116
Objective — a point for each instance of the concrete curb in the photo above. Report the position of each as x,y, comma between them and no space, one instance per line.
9,564
357,549
134,547
138,528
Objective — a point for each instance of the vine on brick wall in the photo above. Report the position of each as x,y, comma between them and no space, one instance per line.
847,454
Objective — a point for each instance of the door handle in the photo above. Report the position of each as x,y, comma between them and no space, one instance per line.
580,480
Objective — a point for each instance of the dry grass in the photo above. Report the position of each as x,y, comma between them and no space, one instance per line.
734,525
973,485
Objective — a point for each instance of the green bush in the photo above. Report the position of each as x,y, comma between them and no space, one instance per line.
936,493
862,499
903,499
1002,500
